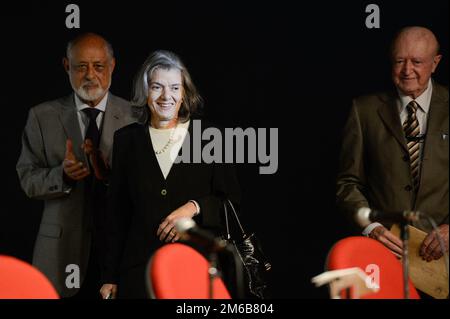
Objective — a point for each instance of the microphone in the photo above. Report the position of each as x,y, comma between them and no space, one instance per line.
365,216
189,230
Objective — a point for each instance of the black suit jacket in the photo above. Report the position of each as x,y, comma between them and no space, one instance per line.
140,198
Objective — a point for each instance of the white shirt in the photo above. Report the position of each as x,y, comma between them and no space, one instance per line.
422,112
83,119
160,140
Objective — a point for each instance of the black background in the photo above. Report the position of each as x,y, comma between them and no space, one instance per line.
290,65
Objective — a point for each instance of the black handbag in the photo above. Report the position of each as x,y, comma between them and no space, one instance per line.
250,253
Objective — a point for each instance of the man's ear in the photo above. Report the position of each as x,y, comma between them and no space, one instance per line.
436,61
66,64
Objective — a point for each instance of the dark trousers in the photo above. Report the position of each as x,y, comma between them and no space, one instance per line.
132,284
95,200
90,288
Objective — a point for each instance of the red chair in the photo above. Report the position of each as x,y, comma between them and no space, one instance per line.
177,271
370,255
20,280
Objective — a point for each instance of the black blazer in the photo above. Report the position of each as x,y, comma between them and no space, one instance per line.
139,197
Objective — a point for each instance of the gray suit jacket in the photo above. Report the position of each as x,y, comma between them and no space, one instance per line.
65,232
374,165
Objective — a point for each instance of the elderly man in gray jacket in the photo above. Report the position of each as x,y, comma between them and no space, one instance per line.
65,159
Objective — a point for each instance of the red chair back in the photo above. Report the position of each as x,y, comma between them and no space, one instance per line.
370,255
20,280
177,271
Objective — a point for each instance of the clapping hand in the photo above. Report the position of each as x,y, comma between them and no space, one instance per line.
98,162
74,170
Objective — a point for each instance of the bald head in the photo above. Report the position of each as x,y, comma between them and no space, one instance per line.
89,40
416,36
415,57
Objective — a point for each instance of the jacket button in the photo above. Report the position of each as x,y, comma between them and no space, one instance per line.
405,158
164,192
408,188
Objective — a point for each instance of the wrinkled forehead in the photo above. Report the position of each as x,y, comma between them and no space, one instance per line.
165,73
415,44
89,51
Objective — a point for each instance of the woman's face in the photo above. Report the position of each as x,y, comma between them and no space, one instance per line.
165,94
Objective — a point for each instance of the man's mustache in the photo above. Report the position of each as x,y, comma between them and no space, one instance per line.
90,83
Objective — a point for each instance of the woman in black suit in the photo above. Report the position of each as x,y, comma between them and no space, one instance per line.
149,191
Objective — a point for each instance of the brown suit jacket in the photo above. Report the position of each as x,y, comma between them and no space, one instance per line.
374,168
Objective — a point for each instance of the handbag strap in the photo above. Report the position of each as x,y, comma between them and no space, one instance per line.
235,216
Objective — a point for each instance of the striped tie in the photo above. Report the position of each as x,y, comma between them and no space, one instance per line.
412,130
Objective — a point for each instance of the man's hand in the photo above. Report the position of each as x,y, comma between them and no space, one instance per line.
98,162
108,291
431,249
166,230
388,239
74,170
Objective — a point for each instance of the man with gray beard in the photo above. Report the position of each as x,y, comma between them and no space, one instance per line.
65,160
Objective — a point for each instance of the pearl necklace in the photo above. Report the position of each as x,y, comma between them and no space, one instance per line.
169,142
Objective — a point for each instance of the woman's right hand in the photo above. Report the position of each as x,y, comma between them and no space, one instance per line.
166,230
108,291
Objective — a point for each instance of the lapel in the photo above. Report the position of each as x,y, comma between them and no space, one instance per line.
113,120
437,120
389,115
438,112
69,120
153,164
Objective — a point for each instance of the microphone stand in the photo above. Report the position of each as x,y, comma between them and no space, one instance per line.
404,235
212,273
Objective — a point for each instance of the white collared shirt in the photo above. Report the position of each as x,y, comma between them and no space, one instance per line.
83,119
